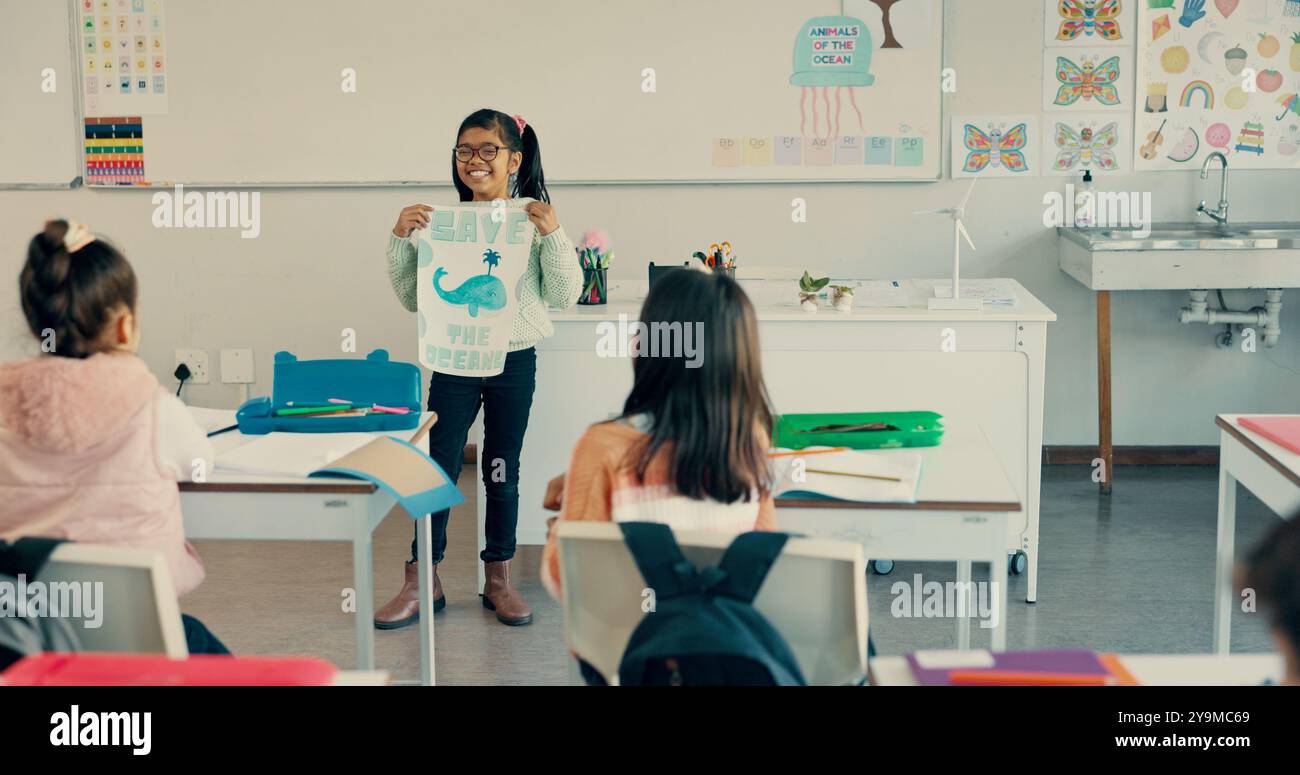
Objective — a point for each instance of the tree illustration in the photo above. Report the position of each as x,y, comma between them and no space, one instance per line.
890,40
491,258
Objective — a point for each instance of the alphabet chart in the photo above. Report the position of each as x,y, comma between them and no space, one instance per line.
123,56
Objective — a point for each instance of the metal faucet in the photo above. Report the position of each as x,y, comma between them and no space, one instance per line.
1219,215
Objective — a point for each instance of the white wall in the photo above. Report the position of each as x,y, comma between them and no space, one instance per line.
318,266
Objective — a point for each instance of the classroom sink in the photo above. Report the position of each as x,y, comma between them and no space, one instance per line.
1190,236
1183,256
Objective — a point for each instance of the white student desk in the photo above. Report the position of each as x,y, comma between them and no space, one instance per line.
1147,669
963,506
880,359
1269,471
241,507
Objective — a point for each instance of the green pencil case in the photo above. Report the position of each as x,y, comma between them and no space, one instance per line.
906,429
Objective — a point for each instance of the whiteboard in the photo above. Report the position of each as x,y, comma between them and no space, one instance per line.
255,90
38,127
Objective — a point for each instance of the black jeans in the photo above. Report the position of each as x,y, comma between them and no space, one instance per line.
199,639
506,400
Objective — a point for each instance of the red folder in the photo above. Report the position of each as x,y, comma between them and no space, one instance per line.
1284,430
85,669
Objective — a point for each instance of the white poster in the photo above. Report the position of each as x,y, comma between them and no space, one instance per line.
1100,142
995,146
1071,23
1218,76
124,56
470,263
1088,80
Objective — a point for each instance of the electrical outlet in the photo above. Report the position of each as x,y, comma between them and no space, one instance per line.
237,367
197,360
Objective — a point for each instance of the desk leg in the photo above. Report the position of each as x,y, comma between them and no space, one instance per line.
1223,557
1032,341
964,607
998,596
363,581
424,552
1104,449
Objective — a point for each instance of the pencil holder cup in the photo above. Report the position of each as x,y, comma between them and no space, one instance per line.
594,288
722,270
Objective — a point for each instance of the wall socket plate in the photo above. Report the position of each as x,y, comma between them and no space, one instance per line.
237,367
197,360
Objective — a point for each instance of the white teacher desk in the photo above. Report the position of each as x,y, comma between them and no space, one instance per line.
241,507
963,506
1268,470
865,360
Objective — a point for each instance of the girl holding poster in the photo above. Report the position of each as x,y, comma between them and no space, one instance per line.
481,312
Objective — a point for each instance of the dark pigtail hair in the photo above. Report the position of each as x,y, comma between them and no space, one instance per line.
529,182
73,295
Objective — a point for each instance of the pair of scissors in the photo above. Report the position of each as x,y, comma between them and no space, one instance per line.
718,254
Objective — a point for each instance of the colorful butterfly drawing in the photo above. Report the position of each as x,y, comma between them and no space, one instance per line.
1085,148
1091,81
1089,16
996,149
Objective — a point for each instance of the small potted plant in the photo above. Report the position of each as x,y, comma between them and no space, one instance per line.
594,256
842,298
808,290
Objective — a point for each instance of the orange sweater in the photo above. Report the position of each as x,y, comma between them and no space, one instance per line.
601,486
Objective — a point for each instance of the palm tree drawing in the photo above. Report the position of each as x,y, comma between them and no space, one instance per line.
890,40
491,258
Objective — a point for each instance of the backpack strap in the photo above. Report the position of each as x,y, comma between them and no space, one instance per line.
662,564
747,561
26,556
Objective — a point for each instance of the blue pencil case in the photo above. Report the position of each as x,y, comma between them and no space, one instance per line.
363,382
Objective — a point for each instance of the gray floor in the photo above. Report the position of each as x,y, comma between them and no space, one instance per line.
1132,573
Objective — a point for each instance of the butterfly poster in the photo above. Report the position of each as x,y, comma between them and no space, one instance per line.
1088,79
995,146
1074,23
470,262
1099,142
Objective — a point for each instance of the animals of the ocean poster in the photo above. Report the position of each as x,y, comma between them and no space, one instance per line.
469,264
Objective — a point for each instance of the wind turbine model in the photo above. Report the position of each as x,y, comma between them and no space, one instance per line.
958,234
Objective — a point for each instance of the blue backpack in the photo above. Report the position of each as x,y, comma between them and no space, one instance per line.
704,630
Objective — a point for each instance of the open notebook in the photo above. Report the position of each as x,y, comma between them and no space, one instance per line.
876,476
395,465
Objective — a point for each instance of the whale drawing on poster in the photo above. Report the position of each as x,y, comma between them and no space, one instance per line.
469,264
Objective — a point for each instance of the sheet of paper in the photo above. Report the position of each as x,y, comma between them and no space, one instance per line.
290,454
212,419
948,660
991,292
881,293
804,473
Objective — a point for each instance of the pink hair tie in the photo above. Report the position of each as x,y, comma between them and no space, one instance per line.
77,237
519,122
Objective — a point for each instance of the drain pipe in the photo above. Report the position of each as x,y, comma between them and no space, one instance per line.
1268,317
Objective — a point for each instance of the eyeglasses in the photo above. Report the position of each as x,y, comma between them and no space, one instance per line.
465,153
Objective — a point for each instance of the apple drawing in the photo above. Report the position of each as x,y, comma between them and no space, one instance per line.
1226,7
1269,80
1268,45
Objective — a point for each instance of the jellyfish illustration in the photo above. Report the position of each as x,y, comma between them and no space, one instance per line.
831,52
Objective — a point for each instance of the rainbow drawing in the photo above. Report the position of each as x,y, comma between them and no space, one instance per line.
1193,88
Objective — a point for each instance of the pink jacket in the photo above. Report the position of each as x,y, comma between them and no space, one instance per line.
80,458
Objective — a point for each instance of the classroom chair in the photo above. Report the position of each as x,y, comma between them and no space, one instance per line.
813,596
139,610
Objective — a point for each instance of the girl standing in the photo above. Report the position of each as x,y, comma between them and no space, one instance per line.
496,157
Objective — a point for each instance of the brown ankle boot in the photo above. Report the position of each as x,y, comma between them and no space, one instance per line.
500,596
404,609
